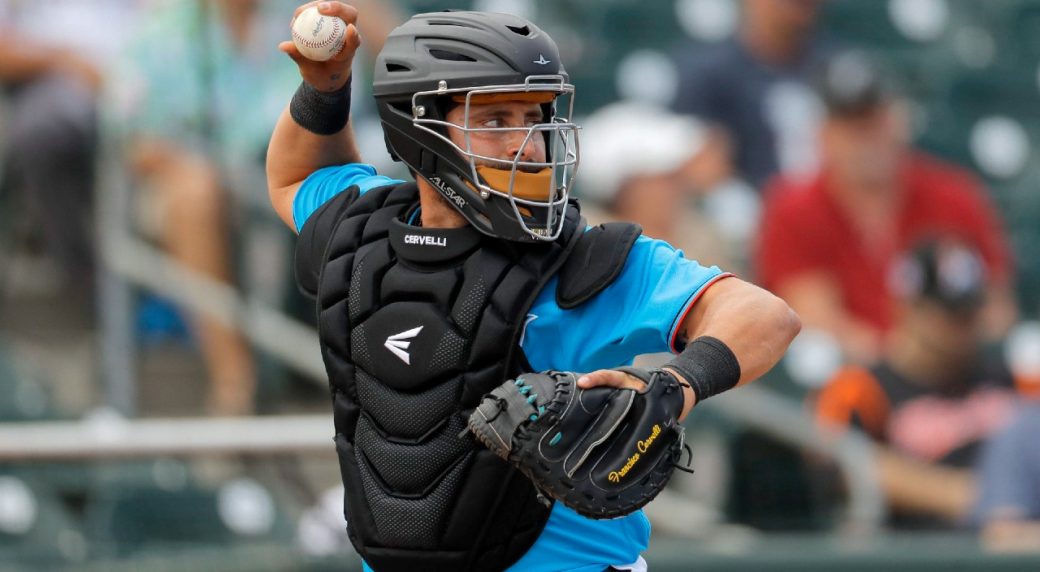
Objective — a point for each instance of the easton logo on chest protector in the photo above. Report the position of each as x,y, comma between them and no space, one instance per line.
398,343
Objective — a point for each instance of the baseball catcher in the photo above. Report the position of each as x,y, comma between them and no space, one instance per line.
439,300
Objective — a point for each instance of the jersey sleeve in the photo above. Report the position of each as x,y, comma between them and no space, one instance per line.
653,294
639,313
327,182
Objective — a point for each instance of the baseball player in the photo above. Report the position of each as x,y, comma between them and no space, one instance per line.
432,293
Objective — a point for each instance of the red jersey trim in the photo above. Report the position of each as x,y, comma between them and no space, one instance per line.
673,337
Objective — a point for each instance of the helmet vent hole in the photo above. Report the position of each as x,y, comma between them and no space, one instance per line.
451,23
521,30
391,67
451,56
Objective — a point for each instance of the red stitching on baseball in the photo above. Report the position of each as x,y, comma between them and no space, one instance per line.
326,42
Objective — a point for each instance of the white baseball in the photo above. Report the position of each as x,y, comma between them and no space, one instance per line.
318,37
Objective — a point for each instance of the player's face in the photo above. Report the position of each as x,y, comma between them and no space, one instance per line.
504,145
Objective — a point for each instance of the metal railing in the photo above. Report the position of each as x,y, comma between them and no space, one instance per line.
114,437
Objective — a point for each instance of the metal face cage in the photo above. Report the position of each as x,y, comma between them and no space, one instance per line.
540,219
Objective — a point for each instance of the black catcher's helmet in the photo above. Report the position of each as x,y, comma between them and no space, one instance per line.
439,60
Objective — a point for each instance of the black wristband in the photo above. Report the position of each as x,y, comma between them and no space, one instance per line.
709,365
322,113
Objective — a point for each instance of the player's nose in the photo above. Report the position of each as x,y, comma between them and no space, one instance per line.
521,145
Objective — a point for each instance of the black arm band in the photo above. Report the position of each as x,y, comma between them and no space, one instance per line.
709,365
322,113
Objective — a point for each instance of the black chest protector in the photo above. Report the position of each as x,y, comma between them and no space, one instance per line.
415,326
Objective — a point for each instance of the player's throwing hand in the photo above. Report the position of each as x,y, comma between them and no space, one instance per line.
332,74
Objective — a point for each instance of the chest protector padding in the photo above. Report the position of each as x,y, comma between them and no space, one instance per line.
415,326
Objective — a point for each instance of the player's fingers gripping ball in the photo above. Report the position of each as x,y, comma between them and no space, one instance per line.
603,452
318,37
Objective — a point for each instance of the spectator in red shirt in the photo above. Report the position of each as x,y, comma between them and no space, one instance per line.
827,243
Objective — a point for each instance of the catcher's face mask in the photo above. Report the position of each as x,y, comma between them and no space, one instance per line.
517,147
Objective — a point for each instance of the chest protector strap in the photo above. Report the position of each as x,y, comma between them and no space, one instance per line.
415,326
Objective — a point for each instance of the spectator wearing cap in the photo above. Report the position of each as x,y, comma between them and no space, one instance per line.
645,164
757,86
931,400
827,243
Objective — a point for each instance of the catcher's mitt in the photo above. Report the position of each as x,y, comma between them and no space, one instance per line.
604,452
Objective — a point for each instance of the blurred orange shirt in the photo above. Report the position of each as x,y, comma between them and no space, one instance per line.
804,230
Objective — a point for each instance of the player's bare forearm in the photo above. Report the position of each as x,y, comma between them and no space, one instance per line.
294,151
756,325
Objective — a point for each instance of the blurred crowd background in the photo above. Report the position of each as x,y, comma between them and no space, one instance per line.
162,400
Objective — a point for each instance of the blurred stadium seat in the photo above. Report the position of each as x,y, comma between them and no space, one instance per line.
36,530
129,520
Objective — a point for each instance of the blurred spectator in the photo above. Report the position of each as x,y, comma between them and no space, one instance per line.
647,165
197,96
1009,486
50,77
931,401
756,85
827,243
